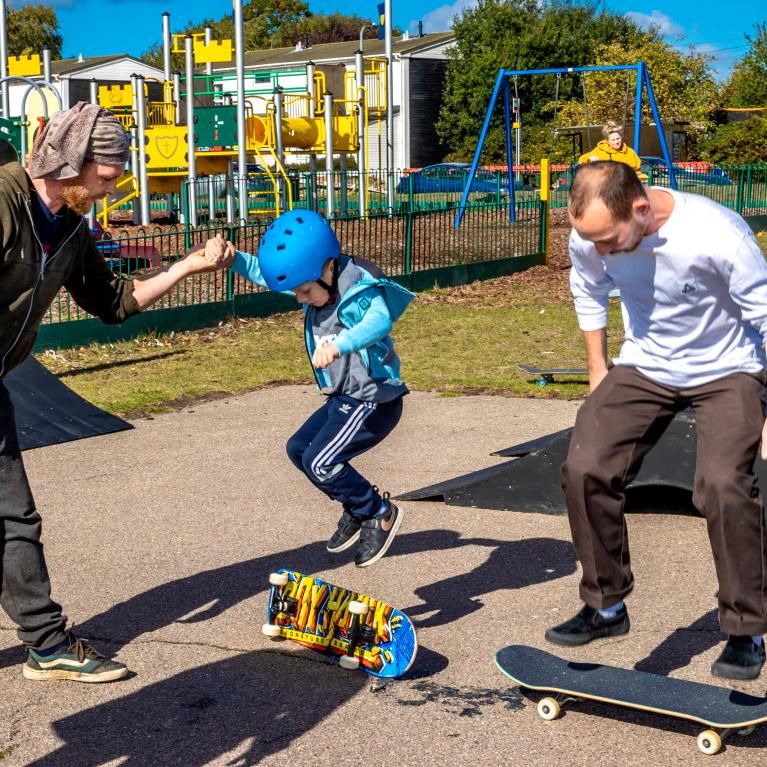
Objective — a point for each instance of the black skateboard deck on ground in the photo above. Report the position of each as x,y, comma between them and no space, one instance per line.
546,375
726,709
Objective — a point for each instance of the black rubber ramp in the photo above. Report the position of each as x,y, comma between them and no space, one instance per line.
531,483
48,412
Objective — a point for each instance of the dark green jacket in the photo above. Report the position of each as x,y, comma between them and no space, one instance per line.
29,283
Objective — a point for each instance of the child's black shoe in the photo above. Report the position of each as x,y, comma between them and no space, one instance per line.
377,534
347,534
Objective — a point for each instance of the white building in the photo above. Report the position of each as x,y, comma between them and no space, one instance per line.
418,73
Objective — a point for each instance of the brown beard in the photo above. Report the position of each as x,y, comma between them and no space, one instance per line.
76,196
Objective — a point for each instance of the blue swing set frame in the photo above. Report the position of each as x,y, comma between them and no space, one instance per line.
643,83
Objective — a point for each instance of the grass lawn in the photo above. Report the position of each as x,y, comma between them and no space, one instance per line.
449,342
462,340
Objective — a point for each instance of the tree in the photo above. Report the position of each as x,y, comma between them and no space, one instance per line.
684,87
747,86
275,24
520,34
32,29
319,28
739,142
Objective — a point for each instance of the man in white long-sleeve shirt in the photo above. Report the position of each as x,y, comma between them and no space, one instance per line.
693,285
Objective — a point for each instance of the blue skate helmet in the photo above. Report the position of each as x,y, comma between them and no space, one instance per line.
295,248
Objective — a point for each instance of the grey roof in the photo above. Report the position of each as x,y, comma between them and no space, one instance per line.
342,51
70,66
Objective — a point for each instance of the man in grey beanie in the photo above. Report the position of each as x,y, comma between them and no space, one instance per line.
46,245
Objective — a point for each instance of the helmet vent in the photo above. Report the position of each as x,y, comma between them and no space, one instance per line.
281,246
299,219
288,231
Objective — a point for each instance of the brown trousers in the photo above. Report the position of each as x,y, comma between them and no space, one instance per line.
615,428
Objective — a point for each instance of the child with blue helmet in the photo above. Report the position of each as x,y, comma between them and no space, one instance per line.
349,309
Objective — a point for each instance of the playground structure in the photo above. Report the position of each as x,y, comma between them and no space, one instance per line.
286,112
281,114
502,89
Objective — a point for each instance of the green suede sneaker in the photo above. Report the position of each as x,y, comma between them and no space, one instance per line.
78,662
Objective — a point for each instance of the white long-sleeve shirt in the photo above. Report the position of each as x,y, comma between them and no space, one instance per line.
693,295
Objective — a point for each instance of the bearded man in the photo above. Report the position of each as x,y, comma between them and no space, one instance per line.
45,244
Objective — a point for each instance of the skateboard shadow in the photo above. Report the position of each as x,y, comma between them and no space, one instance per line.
684,644
210,593
511,565
246,707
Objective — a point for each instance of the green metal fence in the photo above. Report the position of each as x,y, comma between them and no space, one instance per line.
419,248
742,188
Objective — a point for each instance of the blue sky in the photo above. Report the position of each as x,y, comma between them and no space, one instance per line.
101,27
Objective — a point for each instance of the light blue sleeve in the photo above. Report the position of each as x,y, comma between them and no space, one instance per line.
375,324
247,266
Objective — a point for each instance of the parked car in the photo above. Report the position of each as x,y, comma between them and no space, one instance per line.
656,168
452,177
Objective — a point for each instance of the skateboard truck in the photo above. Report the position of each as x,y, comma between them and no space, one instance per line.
357,634
278,604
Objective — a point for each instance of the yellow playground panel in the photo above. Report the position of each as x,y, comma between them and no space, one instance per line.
166,146
214,52
25,66
115,96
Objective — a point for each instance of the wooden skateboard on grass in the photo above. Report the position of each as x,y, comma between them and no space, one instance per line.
724,710
364,632
546,375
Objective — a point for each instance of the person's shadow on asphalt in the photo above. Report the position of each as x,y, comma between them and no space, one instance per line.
680,647
247,707
210,593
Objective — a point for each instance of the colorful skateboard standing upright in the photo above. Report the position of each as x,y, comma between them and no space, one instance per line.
727,711
364,632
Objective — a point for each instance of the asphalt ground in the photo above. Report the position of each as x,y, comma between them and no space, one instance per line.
160,540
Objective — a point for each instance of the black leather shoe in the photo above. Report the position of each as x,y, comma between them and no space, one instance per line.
588,624
741,658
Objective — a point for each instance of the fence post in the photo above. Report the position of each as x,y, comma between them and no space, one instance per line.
231,236
545,209
739,200
408,241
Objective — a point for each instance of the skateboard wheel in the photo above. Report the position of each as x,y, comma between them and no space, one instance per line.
270,630
278,579
709,742
358,608
548,708
349,662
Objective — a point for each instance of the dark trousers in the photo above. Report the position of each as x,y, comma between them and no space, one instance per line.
341,429
25,591
616,427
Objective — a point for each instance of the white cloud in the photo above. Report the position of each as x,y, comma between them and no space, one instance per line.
441,19
658,20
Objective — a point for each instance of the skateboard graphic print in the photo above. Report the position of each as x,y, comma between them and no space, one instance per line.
363,631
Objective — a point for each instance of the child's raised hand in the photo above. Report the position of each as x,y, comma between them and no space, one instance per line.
324,355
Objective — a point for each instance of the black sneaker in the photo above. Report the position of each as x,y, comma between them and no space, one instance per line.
78,662
742,658
377,534
588,624
347,534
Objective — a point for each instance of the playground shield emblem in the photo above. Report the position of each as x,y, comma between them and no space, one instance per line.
166,146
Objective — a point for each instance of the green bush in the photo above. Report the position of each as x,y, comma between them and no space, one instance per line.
739,142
